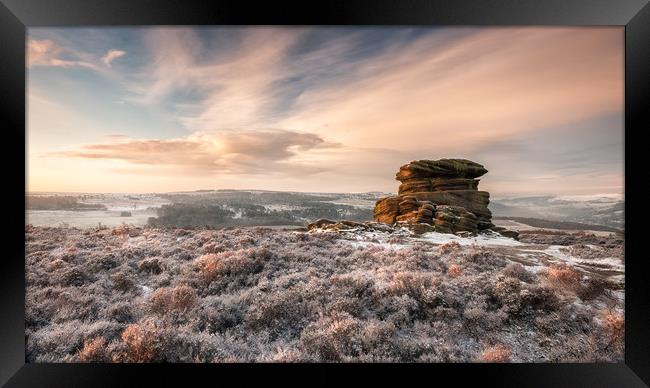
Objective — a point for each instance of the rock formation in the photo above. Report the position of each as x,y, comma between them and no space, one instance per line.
443,193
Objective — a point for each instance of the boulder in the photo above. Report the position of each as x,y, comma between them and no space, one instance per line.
320,223
420,228
506,232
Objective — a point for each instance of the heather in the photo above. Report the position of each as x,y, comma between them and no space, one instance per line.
131,294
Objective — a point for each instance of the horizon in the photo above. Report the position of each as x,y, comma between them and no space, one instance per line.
151,110
616,196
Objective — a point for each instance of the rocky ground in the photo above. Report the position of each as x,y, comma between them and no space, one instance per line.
365,294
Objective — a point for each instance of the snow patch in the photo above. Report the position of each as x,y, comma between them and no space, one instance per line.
146,291
481,239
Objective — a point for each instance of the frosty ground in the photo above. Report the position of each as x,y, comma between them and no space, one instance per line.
131,294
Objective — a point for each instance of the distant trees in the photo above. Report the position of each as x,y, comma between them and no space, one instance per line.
187,215
247,214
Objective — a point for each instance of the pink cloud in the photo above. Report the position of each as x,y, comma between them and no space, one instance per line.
235,152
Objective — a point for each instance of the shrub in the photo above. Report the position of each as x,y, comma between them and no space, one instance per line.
517,271
564,277
285,311
539,298
454,270
614,325
233,263
143,343
411,283
356,285
179,298
121,312
94,351
121,282
73,277
208,265
152,266
56,264
126,230
564,273
496,353
449,247
331,338
507,293
220,317
287,355
593,287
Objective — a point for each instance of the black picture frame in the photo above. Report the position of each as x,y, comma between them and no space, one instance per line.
17,15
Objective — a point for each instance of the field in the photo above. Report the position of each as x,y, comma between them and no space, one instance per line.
133,294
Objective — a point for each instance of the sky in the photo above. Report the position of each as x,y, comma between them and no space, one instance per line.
323,109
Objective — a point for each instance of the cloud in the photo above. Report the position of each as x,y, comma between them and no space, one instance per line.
488,84
111,55
448,89
266,151
47,53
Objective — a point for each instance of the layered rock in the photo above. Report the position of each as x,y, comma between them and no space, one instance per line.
443,193
415,212
454,219
447,182
442,168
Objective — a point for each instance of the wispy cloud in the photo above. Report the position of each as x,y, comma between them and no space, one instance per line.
111,55
48,53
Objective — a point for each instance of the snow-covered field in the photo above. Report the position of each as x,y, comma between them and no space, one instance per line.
141,207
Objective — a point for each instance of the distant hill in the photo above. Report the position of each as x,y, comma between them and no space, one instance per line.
550,224
602,210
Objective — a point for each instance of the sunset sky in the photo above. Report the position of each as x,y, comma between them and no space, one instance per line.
323,109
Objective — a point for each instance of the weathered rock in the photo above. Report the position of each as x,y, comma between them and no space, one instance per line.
387,209
410,217
473,200
403,209
320,223
379,226
326,224
437,184
442,193
453,219
443,168
506,232
420,228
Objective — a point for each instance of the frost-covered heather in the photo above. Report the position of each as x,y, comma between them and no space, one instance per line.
149,295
